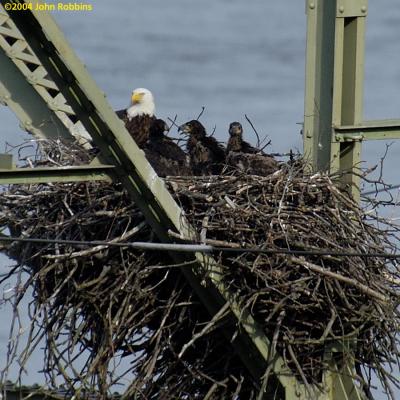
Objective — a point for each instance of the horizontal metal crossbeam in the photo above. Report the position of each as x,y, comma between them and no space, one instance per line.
368,130
27,176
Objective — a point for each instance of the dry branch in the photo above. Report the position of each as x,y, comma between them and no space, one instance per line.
117,315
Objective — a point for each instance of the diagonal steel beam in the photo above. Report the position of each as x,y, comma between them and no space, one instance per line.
150,194
145,187
31,110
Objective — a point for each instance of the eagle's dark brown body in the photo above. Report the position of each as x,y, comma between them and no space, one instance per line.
138,126
207,156
165,156
236,142
252,164
243,156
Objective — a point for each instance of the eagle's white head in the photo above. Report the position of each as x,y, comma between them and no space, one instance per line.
142,103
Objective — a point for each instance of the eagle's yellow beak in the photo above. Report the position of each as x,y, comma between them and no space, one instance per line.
136,98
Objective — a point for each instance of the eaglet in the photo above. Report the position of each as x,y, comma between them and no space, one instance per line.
244,157
165,156
207,156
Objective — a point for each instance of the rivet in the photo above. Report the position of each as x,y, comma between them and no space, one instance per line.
312,6
364,9
341,9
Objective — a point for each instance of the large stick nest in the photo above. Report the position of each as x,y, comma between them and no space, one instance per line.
109,315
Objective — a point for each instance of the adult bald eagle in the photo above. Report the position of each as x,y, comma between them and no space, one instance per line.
139,116
165,156
244,157
207,156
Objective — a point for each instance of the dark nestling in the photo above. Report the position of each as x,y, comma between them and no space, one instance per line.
139,116
165,156
236,142
206,154
244,157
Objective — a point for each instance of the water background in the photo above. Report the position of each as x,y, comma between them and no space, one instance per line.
230,56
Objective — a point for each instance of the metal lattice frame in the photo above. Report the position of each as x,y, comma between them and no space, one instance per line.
334,128
29,91
119,149
333,114
40,60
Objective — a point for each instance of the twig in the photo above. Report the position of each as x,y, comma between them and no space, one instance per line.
201,113
255,130
219,315
363,288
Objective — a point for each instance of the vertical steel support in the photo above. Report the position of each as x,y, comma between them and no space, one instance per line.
334,84
348,86
317,130
339,375
334,97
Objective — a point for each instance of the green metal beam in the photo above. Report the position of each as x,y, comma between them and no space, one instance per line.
13,392
368,130
333,97
29,92
144,186
88,104
334,83
317,130
348,87
27,176
36,392
26,103
339,377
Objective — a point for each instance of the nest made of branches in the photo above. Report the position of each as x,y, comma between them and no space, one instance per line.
110,316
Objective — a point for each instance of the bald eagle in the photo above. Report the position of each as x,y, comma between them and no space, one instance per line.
165,156
207,156
139,116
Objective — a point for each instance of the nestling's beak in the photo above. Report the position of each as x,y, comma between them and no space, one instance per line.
136,98
184,129
166,127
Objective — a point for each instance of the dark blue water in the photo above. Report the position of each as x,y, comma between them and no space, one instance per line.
230,56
